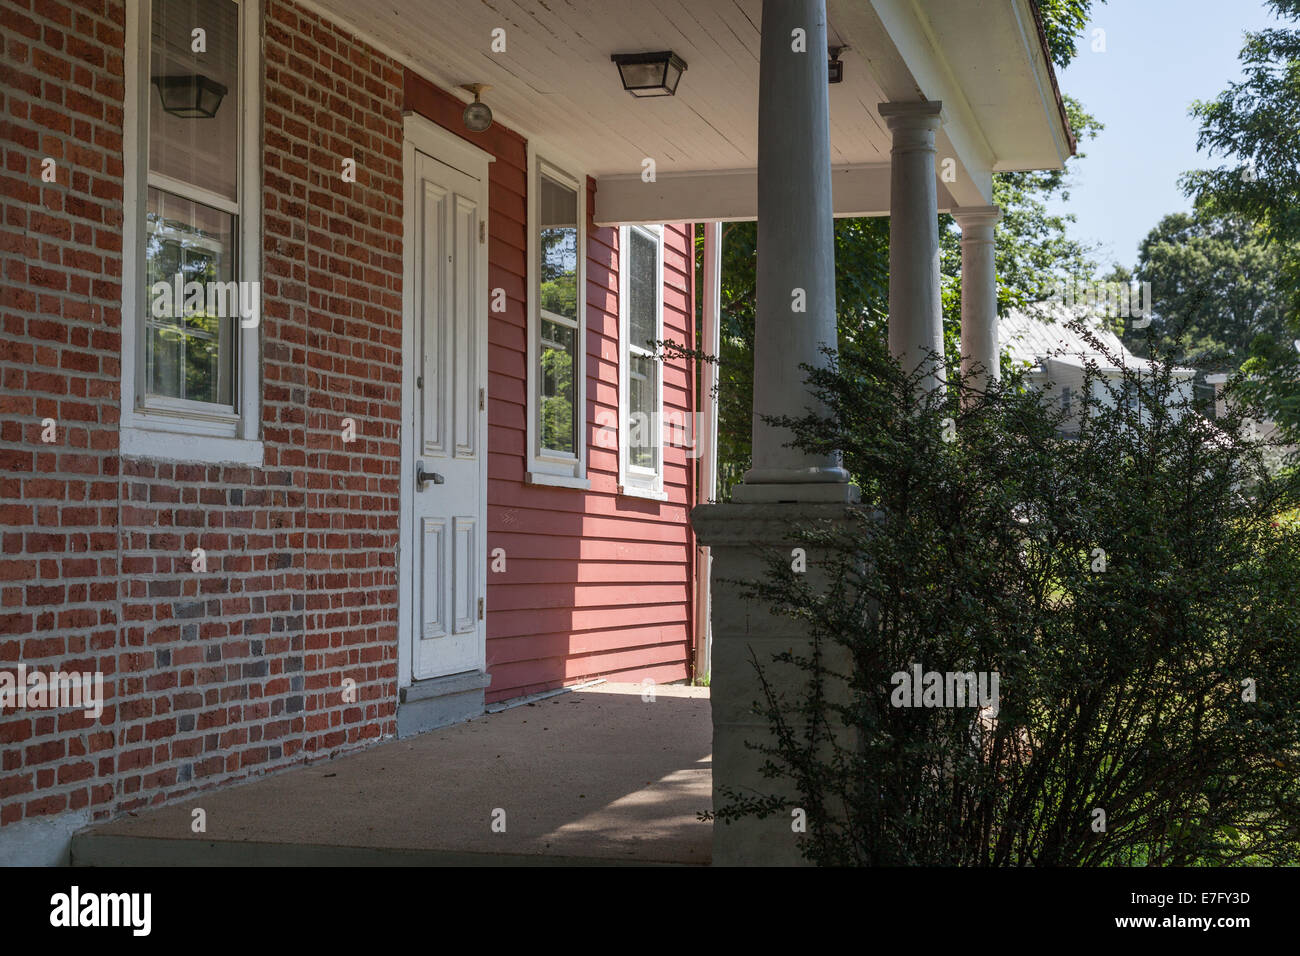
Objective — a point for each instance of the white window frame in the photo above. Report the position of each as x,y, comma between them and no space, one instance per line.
550,468
177,429
632,479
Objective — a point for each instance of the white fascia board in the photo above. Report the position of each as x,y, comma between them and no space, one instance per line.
960,136
1042,71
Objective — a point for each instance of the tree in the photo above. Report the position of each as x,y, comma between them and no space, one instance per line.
1255,125
1035,249
1214,289
862,294
1063,23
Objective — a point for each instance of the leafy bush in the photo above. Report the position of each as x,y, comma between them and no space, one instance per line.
1129,587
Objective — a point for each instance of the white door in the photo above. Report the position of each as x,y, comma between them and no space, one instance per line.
450,397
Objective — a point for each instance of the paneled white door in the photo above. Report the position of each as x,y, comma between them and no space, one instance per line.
450,398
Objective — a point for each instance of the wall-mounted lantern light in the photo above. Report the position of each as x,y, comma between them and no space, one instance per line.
191,96
477,117
836,65
650,74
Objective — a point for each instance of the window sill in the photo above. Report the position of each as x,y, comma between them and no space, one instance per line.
173,446
632,491
558,481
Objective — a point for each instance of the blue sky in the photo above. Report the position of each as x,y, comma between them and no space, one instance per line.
1160,56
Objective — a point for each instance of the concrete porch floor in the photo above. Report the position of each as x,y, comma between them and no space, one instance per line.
595,776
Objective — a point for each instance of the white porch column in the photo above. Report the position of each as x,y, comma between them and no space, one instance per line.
785,489
915,309
796,252
979,295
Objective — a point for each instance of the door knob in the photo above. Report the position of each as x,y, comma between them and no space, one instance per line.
421,476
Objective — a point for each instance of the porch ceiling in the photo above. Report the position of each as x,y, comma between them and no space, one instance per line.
555,84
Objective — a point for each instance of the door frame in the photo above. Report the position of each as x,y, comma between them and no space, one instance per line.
446,147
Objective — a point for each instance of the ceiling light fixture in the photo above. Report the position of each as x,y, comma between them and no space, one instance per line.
836,66
650,74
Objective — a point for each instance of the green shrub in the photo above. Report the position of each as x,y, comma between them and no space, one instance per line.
1127,586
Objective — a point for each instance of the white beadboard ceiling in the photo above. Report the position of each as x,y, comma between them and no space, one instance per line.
555,82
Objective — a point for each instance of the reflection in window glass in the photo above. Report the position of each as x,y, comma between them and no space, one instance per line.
641,262
558,209
643,297
196,150
188,346
640,404
558,302
558,354
191,346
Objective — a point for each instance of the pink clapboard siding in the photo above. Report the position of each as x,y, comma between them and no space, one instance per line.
597,584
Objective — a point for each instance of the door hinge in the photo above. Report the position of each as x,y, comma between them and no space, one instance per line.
419,381
482,232
480,609
481,400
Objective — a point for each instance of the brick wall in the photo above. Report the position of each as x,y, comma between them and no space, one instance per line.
210,676
213,676
60,309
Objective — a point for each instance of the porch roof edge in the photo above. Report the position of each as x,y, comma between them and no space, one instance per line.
1051,73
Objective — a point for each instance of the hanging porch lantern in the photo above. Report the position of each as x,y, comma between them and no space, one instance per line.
191,96
477,116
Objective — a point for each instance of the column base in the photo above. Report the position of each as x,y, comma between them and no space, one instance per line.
740,537
808,492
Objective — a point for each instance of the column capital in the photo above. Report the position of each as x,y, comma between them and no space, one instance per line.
924,114
976,216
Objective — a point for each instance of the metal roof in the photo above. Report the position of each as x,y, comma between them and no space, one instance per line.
1042,332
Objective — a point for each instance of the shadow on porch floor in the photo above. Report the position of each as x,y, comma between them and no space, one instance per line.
595,776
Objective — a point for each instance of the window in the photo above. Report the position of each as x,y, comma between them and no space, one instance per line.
1130,397
191,296
641,427
557,329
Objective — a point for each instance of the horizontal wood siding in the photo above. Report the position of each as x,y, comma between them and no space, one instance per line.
596,584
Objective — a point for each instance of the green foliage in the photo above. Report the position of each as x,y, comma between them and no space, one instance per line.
1034,249
1120,682
559,296
1255,125
1214,289
1269,380
736,352
557,409
1063,22
862,291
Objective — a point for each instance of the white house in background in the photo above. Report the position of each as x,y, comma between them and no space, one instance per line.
1057,355
1266,430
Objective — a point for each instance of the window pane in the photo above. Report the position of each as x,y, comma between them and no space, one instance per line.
558,359
189,344
642,296
198,150
642,426
558,209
